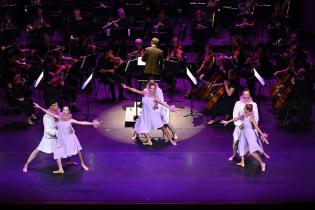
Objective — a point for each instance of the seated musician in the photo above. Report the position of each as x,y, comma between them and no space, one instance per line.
162,23
120,22
204,73
277,25
199,31
78,26
138,50
176,57
110,72
245,17
299,98
57,85
224,103
135,71
38,21
6,21
17,92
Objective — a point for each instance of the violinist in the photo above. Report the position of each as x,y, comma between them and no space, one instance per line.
176,58
57,85
138,50
18,94
109,70
135,70
224,97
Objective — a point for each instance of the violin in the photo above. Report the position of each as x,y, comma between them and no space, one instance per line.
117,61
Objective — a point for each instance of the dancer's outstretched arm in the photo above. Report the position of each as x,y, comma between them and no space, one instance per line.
95,123
46,111
172,107
132,89
225,122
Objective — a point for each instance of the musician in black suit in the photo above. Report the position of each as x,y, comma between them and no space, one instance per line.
153,56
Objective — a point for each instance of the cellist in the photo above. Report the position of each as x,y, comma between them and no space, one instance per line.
224,98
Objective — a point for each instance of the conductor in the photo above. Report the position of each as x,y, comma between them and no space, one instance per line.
153,56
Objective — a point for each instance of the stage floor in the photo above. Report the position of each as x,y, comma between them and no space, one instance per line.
197,170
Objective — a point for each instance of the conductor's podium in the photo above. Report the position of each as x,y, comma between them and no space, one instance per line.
131,114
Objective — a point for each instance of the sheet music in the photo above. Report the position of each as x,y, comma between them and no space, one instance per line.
39,79
128,63
191,76
140,62
259,78
87,81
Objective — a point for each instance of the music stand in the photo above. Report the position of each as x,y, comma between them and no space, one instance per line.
87,81
195,82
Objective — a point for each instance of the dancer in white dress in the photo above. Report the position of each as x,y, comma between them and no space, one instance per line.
163,110
237,111
150,118
249,141
67,142
48,142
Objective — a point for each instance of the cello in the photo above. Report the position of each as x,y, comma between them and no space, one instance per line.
281,91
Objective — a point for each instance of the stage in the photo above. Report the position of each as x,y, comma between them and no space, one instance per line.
196,171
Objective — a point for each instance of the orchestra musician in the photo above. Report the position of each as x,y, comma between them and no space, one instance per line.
137,71
17,93
204,73
225,96
199,32
57,85
39,21
109,69
121,21
299,98
176,57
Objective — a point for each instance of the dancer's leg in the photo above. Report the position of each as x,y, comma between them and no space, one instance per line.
60,169
149,142
85,168
32,156
257,157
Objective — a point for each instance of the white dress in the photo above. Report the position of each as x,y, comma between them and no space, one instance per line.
150,119
48,142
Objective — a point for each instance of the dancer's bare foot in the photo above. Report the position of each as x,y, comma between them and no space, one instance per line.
232,158
147,143
241,164
25,169
85,168
135,137
58,172
211,122
266,155
263,167
175,137
173,143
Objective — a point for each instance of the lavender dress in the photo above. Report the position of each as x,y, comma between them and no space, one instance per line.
67,142
150,119
249,141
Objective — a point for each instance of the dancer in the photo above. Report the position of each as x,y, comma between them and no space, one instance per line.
67,142
162,109
150,118
249,142
47,144
237,111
